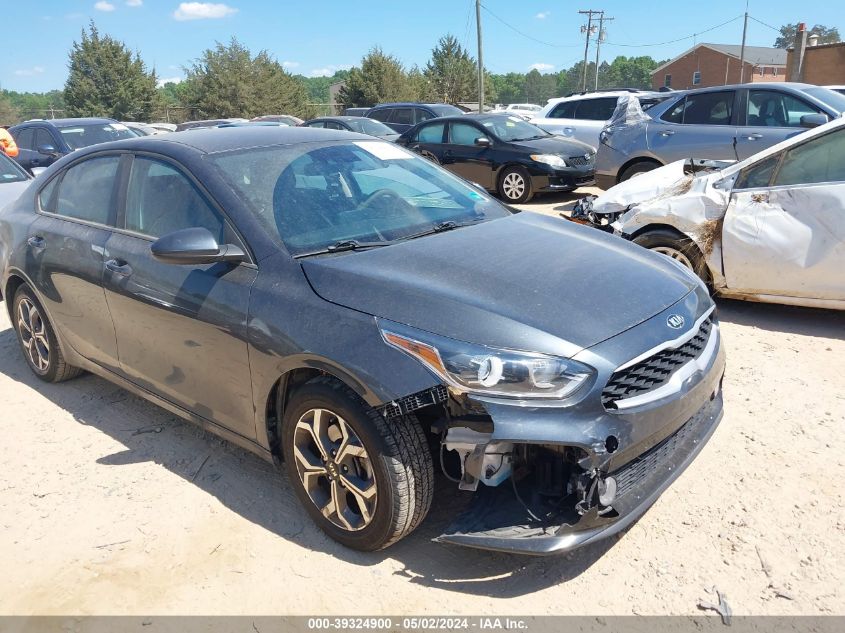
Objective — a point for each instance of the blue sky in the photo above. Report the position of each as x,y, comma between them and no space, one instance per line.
318,37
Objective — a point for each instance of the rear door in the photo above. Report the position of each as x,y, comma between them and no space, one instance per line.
784,231
581,119
463,157
25,140
701,125
77,212
181,329
771,116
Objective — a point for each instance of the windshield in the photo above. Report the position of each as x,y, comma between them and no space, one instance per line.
511,128
9,170
311,196
80,136
830,97
370,126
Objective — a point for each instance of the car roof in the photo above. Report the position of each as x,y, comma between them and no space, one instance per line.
342,117
410,104
225,139
70,122
607,93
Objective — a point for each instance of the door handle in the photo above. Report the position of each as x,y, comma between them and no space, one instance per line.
754,137
667,133
37,242
119,267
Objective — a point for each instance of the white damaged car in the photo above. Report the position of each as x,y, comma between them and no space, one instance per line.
769,228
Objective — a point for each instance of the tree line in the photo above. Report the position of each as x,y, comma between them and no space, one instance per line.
107,79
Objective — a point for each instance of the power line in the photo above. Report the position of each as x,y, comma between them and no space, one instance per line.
751,17
680,39
525,35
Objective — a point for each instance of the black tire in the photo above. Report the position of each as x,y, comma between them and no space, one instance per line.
396,450
515,185
685,250
41,350
638,168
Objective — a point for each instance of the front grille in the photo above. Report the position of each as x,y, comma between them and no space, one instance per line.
580,161
634,471
654,371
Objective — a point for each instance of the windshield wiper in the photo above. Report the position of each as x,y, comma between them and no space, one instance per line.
441,227
345,245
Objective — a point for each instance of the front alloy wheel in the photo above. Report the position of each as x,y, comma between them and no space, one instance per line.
335,469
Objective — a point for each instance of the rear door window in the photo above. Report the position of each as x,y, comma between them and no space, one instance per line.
596,109
707,108
86,191
402,116
565,110
432,133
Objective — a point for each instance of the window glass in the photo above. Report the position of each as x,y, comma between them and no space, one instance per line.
432,133
46,198
767,108
380,115
667,81
43,137
331,125
161,200
10,171
565,110
86,191
696,78
25,138
87,135
596,109
312,195
464,134
757,175
511,128
403,116
317,124
707,108
821,159
423,115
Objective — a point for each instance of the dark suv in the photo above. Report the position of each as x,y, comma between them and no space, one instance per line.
403,116
42,142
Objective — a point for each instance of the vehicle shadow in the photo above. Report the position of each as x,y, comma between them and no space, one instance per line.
782,318
257,491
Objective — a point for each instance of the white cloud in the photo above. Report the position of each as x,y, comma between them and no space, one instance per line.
328,71
29,72
202,11
543,15
169,80
134,3
541,67
102,5
290,64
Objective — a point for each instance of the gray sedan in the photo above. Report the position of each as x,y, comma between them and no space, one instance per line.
338,304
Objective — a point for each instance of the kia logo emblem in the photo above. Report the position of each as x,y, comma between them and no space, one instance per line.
675,321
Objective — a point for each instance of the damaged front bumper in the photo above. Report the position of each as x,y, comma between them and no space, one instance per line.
559,477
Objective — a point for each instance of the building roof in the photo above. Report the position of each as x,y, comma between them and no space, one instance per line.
756,55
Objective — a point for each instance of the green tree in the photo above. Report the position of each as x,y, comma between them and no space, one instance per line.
381,78
9,114
228,81
628,72
827,35
539,88
451,72
106,79
508,88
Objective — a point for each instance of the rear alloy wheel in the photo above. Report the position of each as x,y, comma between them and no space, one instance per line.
38,339
364,480
515,185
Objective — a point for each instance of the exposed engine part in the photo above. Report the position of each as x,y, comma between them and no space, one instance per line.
583,213
408,404
481,460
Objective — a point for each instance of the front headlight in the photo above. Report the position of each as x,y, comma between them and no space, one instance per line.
552,160
489,371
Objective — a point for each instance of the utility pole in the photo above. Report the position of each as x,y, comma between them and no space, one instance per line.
599,40
742,48
588,29
480,58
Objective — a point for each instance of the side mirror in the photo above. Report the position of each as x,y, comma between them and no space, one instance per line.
47,150
194,246
813,120
483,141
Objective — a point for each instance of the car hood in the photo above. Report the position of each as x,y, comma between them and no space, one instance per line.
522,282
11,191
555,145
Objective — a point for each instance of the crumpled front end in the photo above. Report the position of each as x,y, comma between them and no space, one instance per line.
551,477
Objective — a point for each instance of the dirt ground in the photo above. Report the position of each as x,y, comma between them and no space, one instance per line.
110,505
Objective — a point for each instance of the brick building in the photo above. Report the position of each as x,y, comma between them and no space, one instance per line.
823,64
718,64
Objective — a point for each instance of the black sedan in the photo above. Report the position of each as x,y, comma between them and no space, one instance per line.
360,124
336,303
504,154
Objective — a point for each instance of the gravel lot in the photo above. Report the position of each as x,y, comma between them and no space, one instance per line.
108,504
